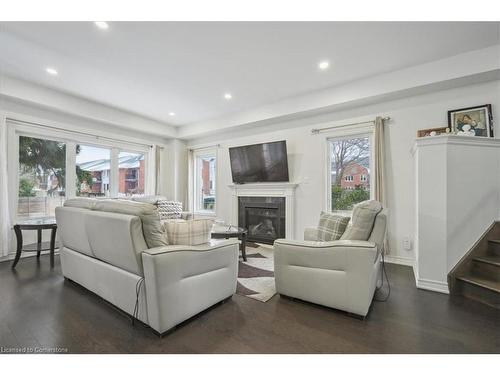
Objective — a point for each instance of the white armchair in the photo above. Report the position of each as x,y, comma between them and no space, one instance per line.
340,274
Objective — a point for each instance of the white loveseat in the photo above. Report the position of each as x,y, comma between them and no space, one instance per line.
341,274
107,253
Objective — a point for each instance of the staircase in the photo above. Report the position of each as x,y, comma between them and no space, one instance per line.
477,275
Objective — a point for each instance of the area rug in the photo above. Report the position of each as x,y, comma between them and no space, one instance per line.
256,275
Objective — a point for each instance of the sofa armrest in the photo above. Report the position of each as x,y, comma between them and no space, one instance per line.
341,255
182,281
212,245
311,234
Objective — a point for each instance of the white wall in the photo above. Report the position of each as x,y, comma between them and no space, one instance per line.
457,200
307,154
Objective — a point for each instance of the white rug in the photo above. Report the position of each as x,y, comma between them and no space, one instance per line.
256,275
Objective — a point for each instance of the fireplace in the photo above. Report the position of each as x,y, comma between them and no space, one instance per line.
263,217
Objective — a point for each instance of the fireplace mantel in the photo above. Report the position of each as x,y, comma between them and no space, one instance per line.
268,189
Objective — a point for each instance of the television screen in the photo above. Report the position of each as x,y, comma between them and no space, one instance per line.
265,162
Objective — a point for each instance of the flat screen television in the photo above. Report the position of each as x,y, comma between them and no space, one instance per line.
264,162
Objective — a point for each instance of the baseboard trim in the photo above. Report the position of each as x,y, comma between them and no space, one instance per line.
399,260
433,285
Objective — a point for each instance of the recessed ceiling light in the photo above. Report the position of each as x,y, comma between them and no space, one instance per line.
228,96
102,25
51,71
171,113
323,65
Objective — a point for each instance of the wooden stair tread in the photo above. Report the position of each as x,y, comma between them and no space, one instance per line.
490,259
481,281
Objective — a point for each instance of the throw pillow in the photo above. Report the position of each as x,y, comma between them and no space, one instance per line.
188,232
331,227
363,219
169,209
152,229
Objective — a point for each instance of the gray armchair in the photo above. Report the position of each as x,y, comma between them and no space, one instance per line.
340,274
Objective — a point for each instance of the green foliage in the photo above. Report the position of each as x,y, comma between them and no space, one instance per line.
82,176
26,187
346,199
43,156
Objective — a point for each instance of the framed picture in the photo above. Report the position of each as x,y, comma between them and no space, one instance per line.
431,132
476,121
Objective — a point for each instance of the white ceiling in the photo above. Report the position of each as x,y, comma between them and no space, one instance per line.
159,67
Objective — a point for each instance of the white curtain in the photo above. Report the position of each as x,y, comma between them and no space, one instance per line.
158,187
379,168
5,225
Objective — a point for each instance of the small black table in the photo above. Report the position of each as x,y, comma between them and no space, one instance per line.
233,232
39,246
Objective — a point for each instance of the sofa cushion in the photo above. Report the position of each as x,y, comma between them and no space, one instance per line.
169,209
87,203
331,226
153,199
151,226
363,219
188,232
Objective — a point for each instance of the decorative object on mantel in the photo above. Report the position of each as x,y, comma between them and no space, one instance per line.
432,132
477,120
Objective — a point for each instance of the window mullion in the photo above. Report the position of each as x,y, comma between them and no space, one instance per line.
114,171
70,170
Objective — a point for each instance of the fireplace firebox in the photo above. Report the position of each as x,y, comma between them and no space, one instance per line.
263,217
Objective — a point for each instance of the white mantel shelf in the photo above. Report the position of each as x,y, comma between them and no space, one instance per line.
268,189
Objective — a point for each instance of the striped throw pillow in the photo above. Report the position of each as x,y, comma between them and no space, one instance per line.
331,227
188,232
169,209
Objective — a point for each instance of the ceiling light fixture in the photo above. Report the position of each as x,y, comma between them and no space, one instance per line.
171,113
102,25
323,65
228,96
51,71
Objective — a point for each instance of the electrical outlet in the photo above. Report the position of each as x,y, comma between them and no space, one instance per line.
406,243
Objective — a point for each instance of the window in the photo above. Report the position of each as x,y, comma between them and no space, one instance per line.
44,170
204,181
93,166
42,177
349,163
131,175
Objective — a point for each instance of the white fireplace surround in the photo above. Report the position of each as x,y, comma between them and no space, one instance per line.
268,189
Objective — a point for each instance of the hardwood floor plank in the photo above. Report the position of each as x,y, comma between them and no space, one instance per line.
39,308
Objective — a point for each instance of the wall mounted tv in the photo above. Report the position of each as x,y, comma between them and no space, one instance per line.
264,162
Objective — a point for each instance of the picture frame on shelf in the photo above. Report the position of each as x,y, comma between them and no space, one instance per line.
476,121
432,132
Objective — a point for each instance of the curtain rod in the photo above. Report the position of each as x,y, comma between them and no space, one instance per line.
204,147
317,131
77,132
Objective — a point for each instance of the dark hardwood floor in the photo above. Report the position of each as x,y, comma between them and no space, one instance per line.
39,309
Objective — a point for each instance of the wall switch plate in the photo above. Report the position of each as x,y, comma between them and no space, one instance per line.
407,243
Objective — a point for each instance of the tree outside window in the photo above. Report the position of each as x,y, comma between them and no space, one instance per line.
350,171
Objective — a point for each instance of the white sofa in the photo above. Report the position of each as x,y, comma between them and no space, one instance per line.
339,274
106,253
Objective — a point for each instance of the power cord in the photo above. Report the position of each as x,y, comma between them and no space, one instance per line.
138,286
383,272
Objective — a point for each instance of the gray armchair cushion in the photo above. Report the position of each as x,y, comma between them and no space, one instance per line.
363,219
331,227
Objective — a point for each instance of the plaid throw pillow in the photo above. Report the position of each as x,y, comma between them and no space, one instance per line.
331,227
188,232
363,219
169,209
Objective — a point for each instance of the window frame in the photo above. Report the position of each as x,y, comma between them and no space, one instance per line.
17,128
354,131
194,179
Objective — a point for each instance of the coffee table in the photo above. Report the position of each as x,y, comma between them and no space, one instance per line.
233,232
39,246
